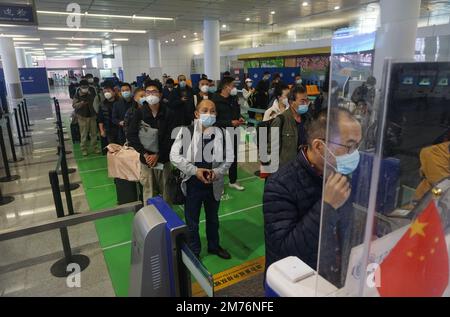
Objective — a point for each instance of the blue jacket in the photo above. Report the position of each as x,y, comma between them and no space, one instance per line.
292,211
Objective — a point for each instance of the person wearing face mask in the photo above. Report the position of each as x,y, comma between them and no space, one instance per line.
266,81
275,82
229,116
248,91
108,130
86,116
280,103
212,87
298,80
203,92
120,107
156,114
137,103
203,180
294,196
292,126
183,105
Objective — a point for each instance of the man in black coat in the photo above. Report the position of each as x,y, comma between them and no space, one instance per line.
293,196
229,116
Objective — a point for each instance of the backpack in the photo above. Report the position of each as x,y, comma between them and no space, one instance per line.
267,125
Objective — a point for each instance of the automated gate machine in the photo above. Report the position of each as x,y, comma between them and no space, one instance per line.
161,262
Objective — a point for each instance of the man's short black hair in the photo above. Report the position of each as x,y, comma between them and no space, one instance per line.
108,85
227,74
96,80
226,81
299,90
84,82
279,89
125,84
204,76
276,76
88,76
266,73
170,81
153,83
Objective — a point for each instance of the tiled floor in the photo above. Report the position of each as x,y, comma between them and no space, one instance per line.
25,262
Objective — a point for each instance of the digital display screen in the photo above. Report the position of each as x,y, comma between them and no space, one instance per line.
426,81
408,80
443,82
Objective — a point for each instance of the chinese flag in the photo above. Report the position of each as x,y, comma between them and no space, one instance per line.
418,265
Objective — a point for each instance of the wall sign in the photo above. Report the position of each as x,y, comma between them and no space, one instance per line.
18,14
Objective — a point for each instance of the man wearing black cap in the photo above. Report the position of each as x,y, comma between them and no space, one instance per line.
87,117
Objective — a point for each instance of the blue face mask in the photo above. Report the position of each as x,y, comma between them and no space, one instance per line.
182,84
302,109
207,120
126,94
212,89
142,100
346,164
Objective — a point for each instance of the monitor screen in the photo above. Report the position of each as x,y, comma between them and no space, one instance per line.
443,82
408,80
425,81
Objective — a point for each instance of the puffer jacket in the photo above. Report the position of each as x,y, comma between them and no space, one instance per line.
292,213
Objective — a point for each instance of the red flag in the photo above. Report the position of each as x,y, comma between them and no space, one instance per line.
418,265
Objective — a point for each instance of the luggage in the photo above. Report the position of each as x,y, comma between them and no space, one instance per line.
127,192
123,163
75,132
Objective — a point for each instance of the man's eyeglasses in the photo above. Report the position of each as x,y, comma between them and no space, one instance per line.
152,92
350,148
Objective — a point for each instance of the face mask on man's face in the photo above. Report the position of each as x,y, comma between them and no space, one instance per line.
204,89
234,91
91,80
182,84
345,164
84,90
126,94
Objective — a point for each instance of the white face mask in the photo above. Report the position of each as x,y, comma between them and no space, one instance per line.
286,102
91,80
84,90
249,84
108,95
234,91
204,89
152,100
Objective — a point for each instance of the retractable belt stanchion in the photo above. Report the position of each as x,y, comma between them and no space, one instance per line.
25,104
59,124
59,269
4,200
22,125
19,132
22,110
8,177
65,171
11,141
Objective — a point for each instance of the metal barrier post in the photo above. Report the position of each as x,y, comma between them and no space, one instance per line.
11,141
8,177
4,200
26,112
22,122
19,133
59,269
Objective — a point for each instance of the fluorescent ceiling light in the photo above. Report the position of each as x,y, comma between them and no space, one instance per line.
24,47
106,15
247,19
50,48
184,36
337,7
36,39
305,4
44,28
51,44
272,12
75,44
224,26
11,35
23,43
79,38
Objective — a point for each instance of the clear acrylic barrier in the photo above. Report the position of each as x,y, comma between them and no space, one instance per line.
391,237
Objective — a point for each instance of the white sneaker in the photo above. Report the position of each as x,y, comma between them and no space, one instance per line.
236,186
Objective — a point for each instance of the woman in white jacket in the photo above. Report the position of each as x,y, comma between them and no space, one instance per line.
198,152
247,91
280,103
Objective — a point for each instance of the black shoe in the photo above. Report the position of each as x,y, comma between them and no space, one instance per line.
221,253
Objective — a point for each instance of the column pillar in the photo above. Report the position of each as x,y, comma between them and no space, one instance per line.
211,42
21,59
154,49
10,69
444,48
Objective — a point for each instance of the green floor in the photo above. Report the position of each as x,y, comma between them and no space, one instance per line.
241,223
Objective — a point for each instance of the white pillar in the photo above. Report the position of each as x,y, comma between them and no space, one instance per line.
21,59
29,60
444,48
10,69
430,48
211,42
396,37
154,47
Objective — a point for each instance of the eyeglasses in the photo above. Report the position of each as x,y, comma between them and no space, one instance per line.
152,92
350,148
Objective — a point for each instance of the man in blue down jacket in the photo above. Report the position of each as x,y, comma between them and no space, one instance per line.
293,197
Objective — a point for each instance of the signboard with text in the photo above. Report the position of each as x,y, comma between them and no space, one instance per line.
12,13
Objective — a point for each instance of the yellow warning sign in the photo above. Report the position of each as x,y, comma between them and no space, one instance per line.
232,276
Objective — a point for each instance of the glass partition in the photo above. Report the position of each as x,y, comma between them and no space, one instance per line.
384,224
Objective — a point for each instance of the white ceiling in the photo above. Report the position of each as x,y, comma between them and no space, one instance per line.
188,16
